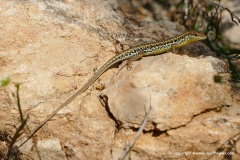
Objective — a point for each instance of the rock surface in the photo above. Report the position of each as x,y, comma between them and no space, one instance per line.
180,88
52,49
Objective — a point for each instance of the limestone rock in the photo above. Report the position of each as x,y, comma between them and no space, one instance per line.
177,87
53,48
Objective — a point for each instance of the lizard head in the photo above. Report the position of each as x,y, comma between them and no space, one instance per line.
193,36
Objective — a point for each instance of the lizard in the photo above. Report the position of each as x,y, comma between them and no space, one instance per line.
130,55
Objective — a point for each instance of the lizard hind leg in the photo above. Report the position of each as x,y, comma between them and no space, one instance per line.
129,62
134,58
174,49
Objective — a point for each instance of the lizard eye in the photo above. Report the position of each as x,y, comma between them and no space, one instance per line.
196,34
